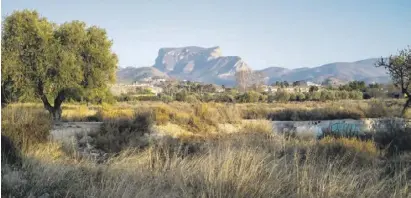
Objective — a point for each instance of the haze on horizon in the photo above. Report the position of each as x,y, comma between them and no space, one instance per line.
288,34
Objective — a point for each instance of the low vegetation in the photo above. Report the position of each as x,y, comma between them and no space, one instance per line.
253,162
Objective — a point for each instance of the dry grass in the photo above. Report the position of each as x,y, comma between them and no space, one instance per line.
25,126
252,162
249,165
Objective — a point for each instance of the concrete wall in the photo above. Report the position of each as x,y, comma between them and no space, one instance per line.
344,127
310,129
64,131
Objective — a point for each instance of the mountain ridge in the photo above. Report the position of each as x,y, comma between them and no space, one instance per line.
208,65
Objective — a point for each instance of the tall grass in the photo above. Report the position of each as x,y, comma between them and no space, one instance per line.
25,126
249,165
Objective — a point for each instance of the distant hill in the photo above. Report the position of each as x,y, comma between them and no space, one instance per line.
208,65
128,75
342,71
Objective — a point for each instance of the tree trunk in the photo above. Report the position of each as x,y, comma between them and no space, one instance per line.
55,110
406,105
56,113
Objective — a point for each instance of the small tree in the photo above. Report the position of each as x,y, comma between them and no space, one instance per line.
313,88
247,78
242,78
52,61
399,68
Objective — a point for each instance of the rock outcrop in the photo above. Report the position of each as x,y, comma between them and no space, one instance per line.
199,64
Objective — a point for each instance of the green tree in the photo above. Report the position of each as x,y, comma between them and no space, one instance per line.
53,61
357,85
282,96
313,88
399,68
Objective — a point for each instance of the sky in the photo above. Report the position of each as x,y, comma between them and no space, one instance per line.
291,34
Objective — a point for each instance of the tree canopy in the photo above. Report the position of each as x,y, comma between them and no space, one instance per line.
54,61
399,68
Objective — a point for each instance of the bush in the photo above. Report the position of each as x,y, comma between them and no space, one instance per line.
191,98
119,134
282,96
328,113
350,150
224,97
166,98
270,98
300,96
327,95
9,153
356,95
147,98
293,97
342,95
249,97
393,136
181,96
25,126
161,115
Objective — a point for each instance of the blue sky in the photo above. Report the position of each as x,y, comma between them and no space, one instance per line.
264,33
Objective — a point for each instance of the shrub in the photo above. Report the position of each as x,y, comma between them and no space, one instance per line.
293,96
271,98
328,113
255,112
282,96
166,98
25,126
181,96
300,96
250,96
147,98
394,136
161,115
263,98
191,98
327,95
342,95
9,153
356,95
119,134
350,150
224,97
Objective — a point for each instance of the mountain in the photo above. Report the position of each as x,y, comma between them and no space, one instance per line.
342,71
199,64
208,65
128,75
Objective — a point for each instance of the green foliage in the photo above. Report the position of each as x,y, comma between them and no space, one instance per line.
250,96
355,95
313,88
353,86
327,95
224,97
53,61
282,96
300,96
181,96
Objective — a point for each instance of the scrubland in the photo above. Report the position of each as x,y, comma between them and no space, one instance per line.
206,150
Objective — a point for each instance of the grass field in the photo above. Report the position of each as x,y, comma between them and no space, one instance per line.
199,157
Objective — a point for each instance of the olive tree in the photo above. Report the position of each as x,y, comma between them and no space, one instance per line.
54,61
399,69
